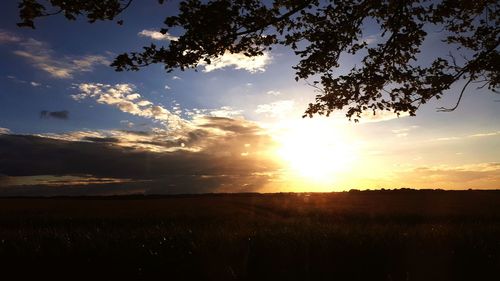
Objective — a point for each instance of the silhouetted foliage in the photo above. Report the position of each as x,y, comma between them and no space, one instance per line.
390,76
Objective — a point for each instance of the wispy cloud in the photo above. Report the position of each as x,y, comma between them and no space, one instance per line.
402,135
447,138
127,123
276,109
403,132
273,93
489,134
43,57
16,80
7,37
155,35
477,135
65,67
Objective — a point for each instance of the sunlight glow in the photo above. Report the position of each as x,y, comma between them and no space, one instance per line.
315,150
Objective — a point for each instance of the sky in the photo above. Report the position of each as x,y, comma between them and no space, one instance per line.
71,125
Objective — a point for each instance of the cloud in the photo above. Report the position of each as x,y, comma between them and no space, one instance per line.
127,123
56,181
175,77
101,140
167,87
155,35
473,176
403,132
226,111
478,135
125,98
144,103
489,134
276,109
215,154
371,39
273,93
481,175
447,139
175,132
223,111
87,63
63,114
238,61
35,84
7,37
368,116
41,56
4,131
16,80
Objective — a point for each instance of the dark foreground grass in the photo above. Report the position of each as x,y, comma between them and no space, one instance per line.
378,235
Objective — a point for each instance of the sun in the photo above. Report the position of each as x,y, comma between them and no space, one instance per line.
315,150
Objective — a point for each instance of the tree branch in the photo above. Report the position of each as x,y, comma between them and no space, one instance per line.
444,109
124,7
275,20
51,14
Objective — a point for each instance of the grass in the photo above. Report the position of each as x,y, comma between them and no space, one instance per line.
370,235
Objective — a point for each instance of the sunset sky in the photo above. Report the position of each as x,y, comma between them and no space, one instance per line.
71,125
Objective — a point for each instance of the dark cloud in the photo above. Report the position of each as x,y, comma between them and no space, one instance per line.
231,161
104,140
174,184
138,133
192,138
63,114
231,125
72,190
24,155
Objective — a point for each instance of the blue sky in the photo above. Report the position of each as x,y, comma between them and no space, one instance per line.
63,66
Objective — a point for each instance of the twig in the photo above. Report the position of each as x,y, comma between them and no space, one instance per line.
444,109
124,7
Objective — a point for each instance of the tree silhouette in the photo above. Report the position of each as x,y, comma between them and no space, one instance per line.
389,77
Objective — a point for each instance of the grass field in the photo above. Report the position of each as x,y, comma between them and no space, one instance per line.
369,235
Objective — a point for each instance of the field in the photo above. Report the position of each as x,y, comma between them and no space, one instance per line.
368,235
